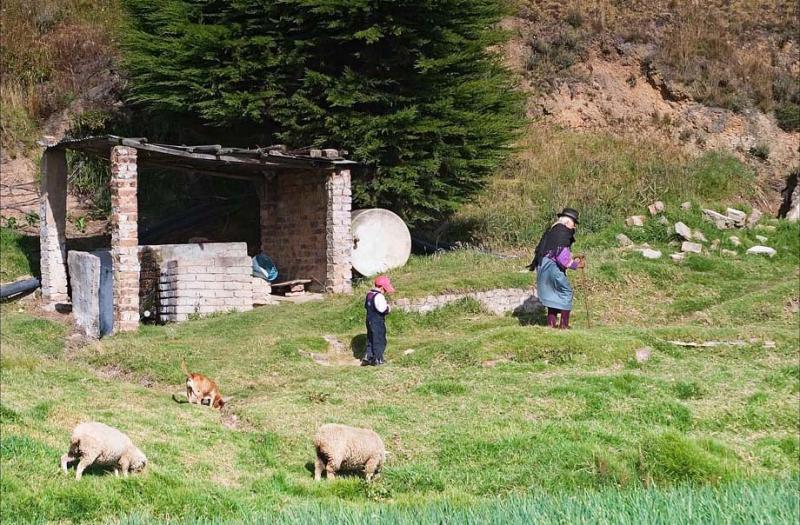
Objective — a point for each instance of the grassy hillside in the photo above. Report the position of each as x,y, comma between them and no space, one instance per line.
487,416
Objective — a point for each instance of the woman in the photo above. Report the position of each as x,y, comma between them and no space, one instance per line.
550,261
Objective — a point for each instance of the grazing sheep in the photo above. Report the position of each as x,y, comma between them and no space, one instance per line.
98,444
340,447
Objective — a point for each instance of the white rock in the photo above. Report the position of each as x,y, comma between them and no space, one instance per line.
656,208
643,354
769,344
677,257
686,205
409,351
684,231
663,220
754,217
721,221
761,238
691,247
624,240
635,220
728,253
647,253
735,240
762,250
714,244
767,227
737,216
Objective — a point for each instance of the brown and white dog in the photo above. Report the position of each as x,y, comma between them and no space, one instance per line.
202,390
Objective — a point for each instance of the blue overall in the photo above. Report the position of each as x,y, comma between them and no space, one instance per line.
376,330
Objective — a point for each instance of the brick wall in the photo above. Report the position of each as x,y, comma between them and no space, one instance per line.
293,224
338,233
124,238
204,286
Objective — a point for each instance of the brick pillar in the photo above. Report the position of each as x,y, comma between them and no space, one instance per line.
338,233
124,238
52,227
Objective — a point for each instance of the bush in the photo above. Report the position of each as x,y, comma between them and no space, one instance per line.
788,116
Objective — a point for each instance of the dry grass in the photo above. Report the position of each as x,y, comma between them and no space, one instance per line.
52,52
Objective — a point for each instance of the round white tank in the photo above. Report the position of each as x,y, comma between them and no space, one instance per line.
381,241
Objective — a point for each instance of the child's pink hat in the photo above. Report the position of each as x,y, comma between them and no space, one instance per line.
384,282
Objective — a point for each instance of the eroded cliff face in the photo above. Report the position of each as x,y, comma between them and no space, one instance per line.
591,74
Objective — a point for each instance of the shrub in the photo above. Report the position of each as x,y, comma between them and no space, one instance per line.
788,116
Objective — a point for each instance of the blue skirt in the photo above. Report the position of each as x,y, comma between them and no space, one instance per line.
552,286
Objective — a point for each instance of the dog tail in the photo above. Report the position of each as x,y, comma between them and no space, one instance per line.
184,369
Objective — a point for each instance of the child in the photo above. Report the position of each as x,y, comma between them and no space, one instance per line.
377,308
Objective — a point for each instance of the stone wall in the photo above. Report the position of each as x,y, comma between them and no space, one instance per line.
204,286
499,301
124,238
52,227
293,211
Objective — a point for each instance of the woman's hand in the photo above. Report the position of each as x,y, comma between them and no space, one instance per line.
581,261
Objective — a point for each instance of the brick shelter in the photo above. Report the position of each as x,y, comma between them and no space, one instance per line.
305,205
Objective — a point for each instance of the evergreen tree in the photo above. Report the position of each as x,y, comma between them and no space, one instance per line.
407,86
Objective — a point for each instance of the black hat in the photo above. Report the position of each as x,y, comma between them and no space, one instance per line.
571,213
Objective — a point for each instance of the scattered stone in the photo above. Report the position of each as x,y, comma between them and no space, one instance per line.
762,250
677,257
409,351
767,227
647,253
623,240
714,244
683,231
729,253
735,240
720,221
635,220
662,219
656,208
761,238
643,354
698,236
737,216
686,205
754,217
770,344
691,247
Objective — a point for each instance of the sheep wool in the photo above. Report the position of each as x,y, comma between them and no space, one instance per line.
341,447
98,444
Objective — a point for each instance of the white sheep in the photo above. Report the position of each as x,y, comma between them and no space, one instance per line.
98,444
340,447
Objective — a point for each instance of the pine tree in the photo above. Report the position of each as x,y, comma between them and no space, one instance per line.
408,87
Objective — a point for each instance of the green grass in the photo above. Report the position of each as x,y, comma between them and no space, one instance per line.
18,255
487,419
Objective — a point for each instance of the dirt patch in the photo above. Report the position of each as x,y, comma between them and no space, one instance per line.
116,372
338,354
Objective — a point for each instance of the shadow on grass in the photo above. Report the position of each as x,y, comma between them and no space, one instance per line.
359,346
531,312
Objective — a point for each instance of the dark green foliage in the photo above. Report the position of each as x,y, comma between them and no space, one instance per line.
408,87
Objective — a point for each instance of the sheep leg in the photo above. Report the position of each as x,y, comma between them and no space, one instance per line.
318,467
82,464
125,466
66,459
369,468
331,469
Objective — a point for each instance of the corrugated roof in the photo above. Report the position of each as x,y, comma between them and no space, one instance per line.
213,159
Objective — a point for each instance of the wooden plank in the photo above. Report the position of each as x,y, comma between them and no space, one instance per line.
290,283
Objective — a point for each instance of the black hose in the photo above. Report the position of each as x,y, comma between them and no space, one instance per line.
19,287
